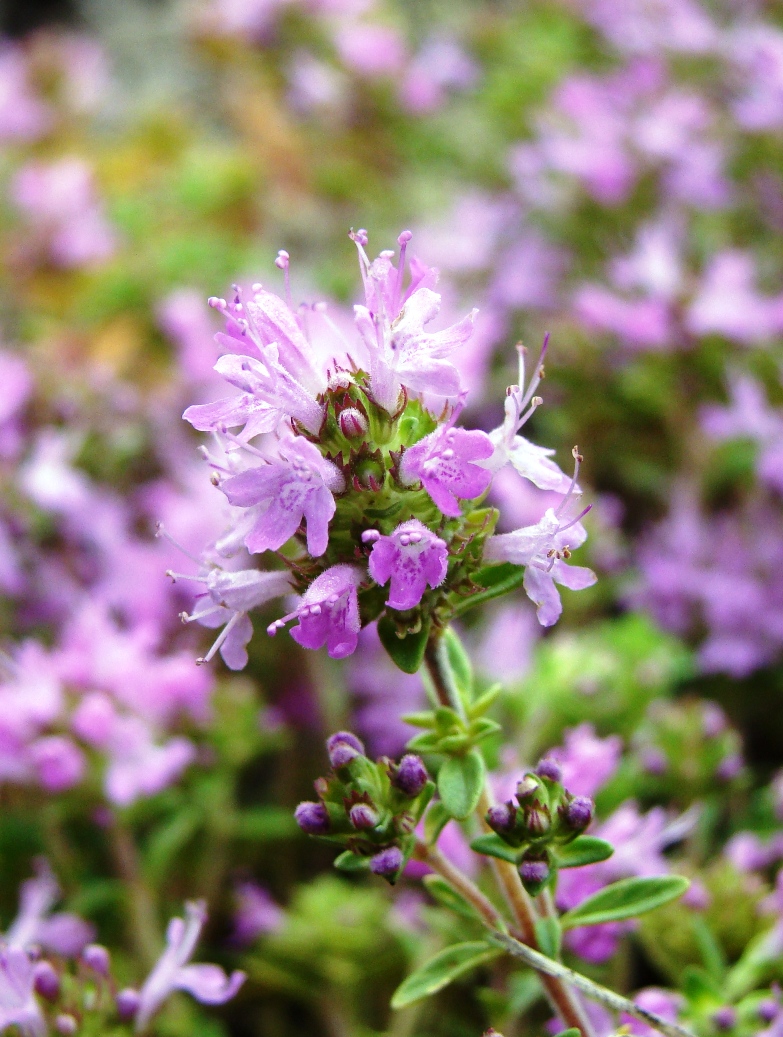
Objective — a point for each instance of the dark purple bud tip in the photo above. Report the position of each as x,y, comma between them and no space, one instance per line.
579,813
387,863
502,818
410,776
768,1010
527,787
312,818
66,1025
548,768
537,821
363,816
342,748
46,981
534,874
96,957
724,1018
127,1002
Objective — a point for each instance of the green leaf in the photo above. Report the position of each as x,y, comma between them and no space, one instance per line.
491,845
424,743
549,936
460,664
572,1032
585,849
441,891
497,580
435,821
460,781
483,702
626,899
426,719
349,861
406,652
441,970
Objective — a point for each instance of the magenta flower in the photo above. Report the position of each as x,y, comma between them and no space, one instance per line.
139,766
18,1006
285,491
444,461
328,613
61,933
209,984
412,557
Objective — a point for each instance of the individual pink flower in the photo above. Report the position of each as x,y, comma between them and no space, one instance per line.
587,761
294,487
444,462
412,558
257,913
23,116
328,613
35,925
58,763
18,1006
138,766
371,50
209,984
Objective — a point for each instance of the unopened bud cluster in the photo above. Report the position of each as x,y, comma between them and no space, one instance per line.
544,815
370,809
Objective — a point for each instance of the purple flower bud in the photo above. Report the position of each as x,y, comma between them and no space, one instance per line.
363,816
46,980
654,762
387,863
724,1018
127,1002
713,720
410,776
549,768
312,818
534,872
768,1010
502,818
729,767
527,787
96,957
353,423
66,1025
538,821
578,813
342,748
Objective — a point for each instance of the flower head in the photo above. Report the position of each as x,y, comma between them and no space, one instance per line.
412,558
209,984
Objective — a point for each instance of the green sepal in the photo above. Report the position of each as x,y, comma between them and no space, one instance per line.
460,782
491,845
585,849
441,970
441,891
350,861
425,719
627,898
407,652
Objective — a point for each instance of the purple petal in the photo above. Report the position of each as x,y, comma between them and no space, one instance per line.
540,588
209,984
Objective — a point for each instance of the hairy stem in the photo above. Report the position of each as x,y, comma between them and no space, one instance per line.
461,883
144,926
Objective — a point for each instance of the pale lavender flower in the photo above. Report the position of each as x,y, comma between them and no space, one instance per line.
728,303
328,613
639,323
61,933
256,914
370,49
586,761
16,386
58,763
756,50
137,765
664,1003
649,26
209,984
412,558
18,1006
445,463
23,116
439,67
296,486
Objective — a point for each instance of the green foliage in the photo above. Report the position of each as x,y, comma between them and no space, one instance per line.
460,783
441,970
627,898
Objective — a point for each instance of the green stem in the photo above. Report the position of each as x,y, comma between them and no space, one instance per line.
144,926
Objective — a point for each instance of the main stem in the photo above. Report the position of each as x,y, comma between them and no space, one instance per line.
563,1000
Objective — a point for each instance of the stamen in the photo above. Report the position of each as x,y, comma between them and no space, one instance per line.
577,462
160,531
220,639
402,241
283,262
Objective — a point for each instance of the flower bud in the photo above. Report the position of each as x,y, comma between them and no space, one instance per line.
410,776
768,1010
312,818
387,863
724,1018
534,872
46,980
66,1025
549,768
578,813
127,1002
363,816
353,423
502,818
527,787
342,748
96,957
538,821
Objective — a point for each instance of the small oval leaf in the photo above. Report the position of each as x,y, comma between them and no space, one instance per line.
349,861
460,781
626,899
441,891
406,652
441,970
585,849
491,845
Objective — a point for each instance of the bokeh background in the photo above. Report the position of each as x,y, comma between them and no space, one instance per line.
608,171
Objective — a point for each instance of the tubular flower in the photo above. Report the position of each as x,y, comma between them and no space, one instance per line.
18,1006
348,438
209,984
